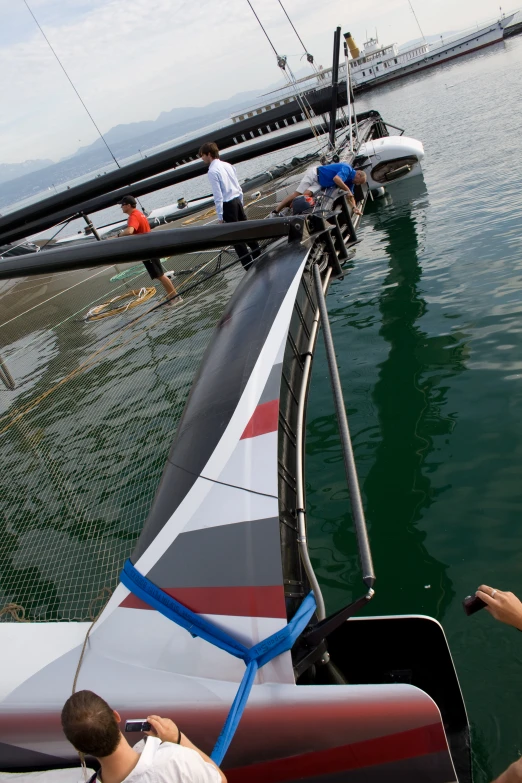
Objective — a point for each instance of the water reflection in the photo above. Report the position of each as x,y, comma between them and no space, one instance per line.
410,398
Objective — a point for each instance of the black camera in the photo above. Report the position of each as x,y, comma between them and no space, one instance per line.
137,724
472,604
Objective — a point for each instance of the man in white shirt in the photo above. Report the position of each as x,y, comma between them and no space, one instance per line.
91,726
228,197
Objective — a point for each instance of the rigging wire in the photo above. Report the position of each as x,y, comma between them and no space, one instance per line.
283,64
309,56
418,25
265,32
61,228
71,83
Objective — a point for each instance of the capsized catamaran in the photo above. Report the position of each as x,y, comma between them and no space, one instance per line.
220,582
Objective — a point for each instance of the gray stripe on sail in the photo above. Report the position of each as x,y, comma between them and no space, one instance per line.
272,386
243,554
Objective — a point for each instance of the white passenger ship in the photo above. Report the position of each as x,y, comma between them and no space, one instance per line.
377,64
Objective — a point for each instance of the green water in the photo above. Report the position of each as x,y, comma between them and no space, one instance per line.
428,332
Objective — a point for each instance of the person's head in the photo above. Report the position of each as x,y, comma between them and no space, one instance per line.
209,152
128,204
302,205
360,177
90,725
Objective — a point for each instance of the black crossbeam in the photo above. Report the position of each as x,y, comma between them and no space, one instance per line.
174,241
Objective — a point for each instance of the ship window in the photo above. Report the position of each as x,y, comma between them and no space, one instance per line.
396,60
364,73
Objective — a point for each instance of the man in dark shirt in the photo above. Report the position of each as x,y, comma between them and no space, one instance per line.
138,224
340,175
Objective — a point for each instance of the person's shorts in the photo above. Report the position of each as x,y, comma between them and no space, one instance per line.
154,268
309,182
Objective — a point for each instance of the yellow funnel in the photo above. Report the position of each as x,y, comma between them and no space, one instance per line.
352,46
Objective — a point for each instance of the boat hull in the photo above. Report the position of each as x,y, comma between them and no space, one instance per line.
465,45
390,159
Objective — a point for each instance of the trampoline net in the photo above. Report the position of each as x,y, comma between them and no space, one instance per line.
86,430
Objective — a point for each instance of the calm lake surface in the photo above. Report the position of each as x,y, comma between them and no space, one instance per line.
428,332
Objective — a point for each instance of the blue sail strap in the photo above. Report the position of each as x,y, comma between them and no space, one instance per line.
254,657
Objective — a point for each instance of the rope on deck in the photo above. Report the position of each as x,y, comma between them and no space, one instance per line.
106,309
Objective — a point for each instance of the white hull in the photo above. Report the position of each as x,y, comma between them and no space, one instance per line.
390,159
382,72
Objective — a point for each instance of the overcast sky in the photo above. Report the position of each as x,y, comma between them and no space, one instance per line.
132,60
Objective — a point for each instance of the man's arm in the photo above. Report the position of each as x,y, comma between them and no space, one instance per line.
167,731
217,193
351,198
124,233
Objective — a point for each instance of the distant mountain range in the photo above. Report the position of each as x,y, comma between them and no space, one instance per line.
10,171
23,180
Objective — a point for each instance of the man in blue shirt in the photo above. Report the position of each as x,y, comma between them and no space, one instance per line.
334,175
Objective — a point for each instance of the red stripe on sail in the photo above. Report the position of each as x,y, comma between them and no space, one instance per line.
391,748
236,601
264,419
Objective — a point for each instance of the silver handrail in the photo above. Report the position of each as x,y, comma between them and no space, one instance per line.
300,491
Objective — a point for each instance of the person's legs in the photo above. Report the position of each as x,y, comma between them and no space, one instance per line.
156,272
233,212
253,243
168,285
287,201
309,183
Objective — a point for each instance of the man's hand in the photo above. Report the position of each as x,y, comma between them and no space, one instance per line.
503,606
513,774
164,728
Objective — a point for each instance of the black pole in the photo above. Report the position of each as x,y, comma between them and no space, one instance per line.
335,84
90,225
155,244
346,443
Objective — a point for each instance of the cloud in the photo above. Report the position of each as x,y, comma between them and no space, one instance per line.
130,61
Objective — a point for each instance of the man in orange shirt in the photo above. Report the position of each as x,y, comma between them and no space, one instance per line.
138,224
